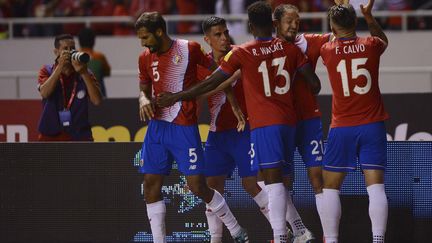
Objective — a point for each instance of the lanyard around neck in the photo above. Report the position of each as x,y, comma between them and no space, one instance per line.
67,105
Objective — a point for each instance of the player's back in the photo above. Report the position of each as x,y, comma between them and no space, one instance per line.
268,68
353,68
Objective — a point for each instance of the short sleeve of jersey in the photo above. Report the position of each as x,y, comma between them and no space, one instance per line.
377,43
198,54
231,62
144,78
323,53
43,75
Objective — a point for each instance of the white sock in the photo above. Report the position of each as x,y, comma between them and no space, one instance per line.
378,211
331,216
156,214
261,184
319,201
215,226
262,201
277,207
293,217
221,209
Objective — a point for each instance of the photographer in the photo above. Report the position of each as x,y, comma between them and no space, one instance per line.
66,87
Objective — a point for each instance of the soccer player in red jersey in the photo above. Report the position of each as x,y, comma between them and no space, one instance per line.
357,127
268,65
170,65
309,126
226,148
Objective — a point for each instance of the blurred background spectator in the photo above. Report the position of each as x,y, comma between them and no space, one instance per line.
133,8
98,63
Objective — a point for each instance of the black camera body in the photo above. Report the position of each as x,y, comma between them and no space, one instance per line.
80,56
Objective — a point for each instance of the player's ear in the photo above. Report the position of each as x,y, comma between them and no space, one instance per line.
251,29
56,52
159,32
206,39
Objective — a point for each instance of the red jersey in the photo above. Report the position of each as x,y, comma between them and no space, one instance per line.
352,65
268,67
305,101
174,71
221,115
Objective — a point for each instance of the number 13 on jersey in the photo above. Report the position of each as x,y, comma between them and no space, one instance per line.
280,63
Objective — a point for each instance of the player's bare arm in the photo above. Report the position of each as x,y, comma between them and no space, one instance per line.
146,107
311,78
238,113
374,28
209,84
227,83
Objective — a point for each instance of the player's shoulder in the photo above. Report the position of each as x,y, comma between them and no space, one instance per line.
144,53
191,44
317,36
330,44
371,40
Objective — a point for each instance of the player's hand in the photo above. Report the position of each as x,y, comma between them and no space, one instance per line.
166,99
367,10
340,2
241,121
146,108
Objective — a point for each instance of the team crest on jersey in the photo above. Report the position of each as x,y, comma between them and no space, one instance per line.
176,59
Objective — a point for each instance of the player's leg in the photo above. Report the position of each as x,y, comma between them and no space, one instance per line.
218,164
155,164
292,216
215,224
373,159
268,153
378,205
239,149
310,146
340,157
217,204
155,204
187,151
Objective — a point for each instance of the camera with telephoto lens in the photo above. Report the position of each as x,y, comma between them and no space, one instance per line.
80,56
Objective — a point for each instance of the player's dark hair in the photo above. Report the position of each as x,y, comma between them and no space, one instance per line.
281,9
152,21
210,22
260,14
60,38
86,38
343,15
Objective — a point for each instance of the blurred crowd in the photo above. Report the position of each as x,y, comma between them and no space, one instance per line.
80,8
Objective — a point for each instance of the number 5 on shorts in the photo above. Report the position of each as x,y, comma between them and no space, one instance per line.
193,156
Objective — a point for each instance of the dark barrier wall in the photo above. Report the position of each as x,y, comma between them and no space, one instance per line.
91,192
117,119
